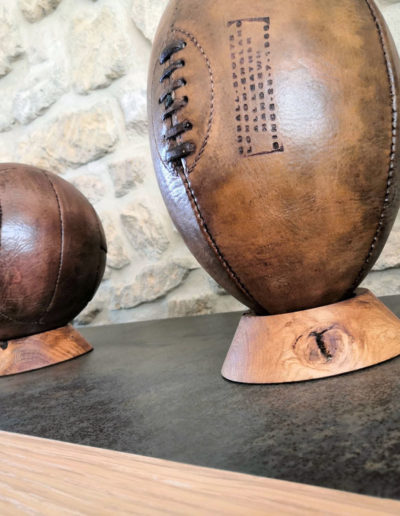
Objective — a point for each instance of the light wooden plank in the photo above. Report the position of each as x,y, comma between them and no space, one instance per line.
39,476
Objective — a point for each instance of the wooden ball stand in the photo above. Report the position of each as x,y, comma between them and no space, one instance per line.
41,350
330,340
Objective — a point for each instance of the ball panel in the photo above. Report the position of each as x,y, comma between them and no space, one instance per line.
29,258
83,254
178,199
293,181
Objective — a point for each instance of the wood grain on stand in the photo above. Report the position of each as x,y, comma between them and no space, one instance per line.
325,341
41,350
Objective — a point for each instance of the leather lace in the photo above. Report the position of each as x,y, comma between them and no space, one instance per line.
173,104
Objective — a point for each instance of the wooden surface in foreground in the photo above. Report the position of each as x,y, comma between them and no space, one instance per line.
39,476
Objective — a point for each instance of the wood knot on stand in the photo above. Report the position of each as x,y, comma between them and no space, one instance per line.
321,347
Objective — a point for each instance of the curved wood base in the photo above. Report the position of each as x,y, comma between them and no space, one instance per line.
325,341
41,350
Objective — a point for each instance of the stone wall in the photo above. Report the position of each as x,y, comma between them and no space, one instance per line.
73,100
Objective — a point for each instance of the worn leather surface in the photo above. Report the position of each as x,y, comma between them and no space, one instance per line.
287,184
52,251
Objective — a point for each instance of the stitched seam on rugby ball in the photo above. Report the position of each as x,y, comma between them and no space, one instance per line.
392,148
212,96
212,242
203,226
195,206
50,305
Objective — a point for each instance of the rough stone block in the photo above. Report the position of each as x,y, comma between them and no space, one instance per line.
98,50
35,10
71,140
152,283
145,231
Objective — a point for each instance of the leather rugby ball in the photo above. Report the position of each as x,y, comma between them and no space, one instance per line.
274,135
52,251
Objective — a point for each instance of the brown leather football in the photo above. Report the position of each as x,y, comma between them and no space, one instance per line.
52,251
274,137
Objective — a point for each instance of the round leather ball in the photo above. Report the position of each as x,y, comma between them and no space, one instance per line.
274,135
52,251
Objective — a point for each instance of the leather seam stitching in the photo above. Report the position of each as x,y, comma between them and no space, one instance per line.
212,241
61,259
386,202
212,97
